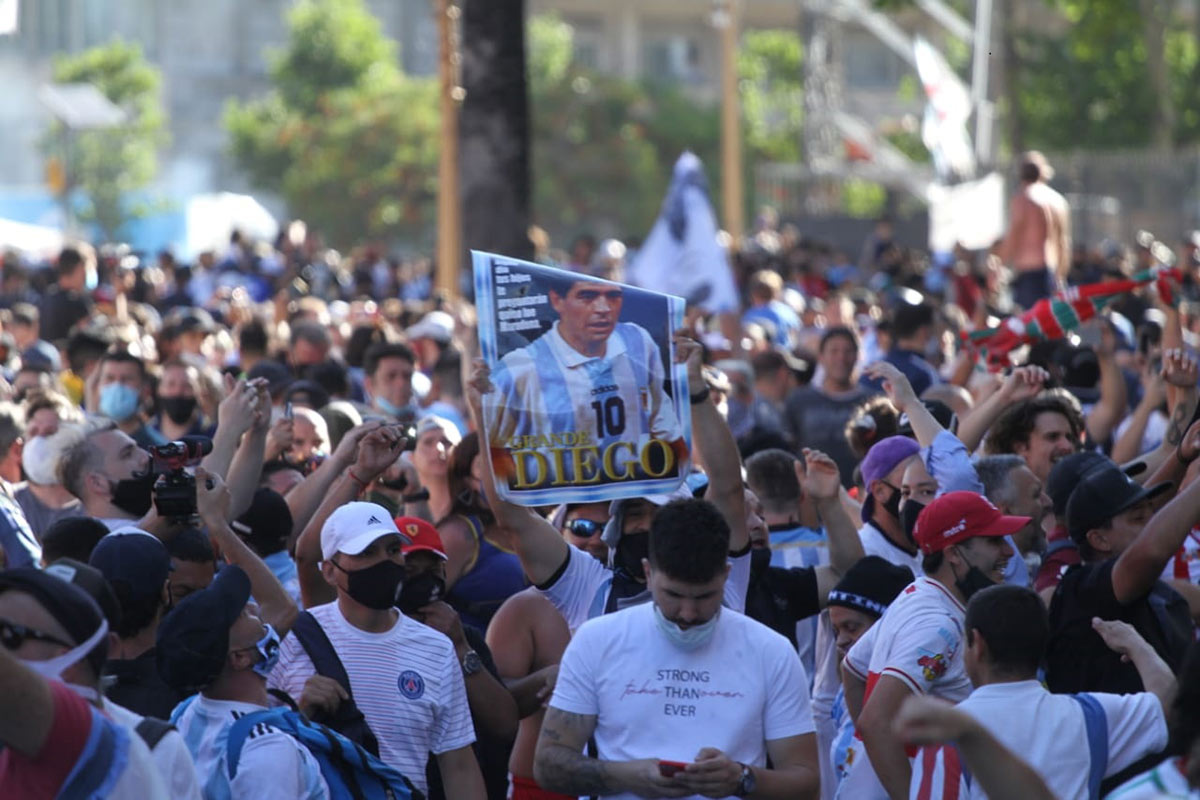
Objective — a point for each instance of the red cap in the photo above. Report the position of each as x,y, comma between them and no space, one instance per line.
957,516
422,536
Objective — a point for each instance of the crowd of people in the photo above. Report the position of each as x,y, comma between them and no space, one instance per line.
253,547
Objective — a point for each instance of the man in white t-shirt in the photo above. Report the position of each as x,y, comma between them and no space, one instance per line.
916,648
683,698
212,641
1072,741
404,676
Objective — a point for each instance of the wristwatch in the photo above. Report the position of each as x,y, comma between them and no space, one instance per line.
748,783
471,663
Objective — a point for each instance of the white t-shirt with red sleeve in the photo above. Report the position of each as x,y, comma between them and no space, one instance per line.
918,641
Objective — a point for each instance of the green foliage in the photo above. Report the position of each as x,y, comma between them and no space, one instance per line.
332,44
107,165
771,86
345,137
604,148
863,199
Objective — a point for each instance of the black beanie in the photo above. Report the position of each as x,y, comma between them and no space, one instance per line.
870,586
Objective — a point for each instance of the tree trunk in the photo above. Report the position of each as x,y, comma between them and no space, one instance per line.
1155,15
494,128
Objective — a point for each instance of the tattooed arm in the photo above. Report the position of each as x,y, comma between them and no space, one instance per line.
561,765
1179,370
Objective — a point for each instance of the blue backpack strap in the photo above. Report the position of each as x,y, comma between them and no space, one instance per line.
1096,722
104,757
349,770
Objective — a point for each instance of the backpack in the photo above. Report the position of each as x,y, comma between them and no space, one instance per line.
350,772
348,720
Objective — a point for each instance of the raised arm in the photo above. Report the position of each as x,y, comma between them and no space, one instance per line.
716,447
997,770
235,415
378,449
213,504
901,393
820,480
1109,410
1139,566
304,500
1123,638
1021,384
1178,447
246,468
541,548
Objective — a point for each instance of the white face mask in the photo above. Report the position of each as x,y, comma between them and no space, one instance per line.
690,638
52,668
41,454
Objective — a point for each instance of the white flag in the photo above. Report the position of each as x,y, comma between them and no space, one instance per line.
681,256
944,128
9,15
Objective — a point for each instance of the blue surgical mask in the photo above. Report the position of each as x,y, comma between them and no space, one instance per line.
391,409
118,402
691,638
268,648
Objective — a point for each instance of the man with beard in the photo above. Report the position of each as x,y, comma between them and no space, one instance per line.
1014,489
683,699
916,648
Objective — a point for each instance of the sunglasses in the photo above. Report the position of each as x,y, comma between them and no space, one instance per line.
12,636
584,528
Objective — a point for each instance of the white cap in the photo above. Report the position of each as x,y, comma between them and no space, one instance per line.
436,325
352,527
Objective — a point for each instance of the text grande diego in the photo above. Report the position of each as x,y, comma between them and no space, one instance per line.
574,458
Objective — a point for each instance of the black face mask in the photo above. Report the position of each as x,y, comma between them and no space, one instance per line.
376,586
892,505
178,409
908,519
631,549
419,591
135,494
974,581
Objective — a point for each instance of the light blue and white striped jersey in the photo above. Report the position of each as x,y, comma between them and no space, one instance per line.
548,387
801,546
272,764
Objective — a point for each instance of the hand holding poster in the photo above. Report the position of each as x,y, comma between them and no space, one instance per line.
587,402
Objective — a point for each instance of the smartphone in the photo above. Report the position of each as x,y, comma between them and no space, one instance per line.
287,411
669,769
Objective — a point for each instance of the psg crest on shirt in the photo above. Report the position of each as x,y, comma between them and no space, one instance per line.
587,402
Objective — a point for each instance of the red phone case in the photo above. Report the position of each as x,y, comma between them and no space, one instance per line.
668,768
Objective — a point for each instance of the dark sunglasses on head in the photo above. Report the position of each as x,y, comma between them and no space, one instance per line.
584,528
12,636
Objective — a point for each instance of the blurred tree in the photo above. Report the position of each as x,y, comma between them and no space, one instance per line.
108,165
345,137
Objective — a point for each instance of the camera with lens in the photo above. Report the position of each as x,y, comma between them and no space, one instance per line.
175,493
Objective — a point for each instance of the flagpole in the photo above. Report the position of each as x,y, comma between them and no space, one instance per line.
449,223
733,208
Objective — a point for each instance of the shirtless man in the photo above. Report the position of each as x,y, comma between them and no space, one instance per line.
1038,244
527,638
